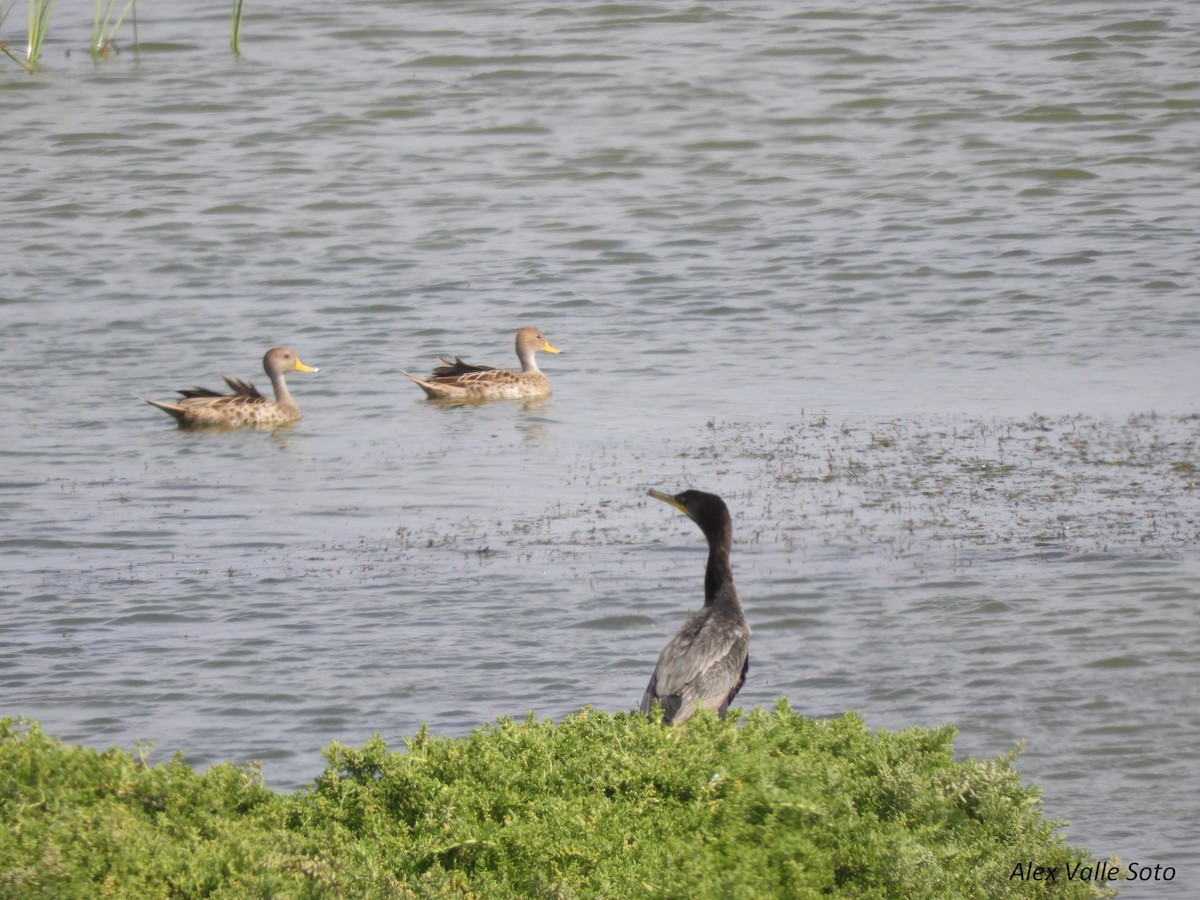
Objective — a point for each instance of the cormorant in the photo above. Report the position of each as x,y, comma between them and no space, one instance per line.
705,663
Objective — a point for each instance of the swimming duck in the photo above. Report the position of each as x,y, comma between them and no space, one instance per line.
705,663
245,407
462,381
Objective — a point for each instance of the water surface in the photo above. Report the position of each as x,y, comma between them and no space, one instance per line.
911,286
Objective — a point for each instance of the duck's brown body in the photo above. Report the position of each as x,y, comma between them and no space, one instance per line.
245,407
458,380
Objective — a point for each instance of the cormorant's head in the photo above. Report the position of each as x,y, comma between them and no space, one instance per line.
706,510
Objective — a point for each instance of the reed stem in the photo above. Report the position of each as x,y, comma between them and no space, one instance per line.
102,35
4,44
39,19
236,27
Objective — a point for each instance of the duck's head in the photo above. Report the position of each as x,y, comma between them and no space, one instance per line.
283,359
530,340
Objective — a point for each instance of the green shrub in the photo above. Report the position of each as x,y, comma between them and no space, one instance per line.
596,805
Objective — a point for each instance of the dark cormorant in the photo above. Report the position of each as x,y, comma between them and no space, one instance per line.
705,663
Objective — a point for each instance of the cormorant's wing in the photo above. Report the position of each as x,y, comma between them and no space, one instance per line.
704,664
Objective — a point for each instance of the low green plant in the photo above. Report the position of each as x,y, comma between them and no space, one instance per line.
596,805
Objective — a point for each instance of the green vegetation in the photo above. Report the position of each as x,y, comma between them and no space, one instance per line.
596,805
39,21
104,29
103,36
236,26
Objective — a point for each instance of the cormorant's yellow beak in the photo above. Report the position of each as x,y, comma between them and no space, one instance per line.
667,498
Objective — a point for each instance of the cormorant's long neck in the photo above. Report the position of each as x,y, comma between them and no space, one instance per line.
718,575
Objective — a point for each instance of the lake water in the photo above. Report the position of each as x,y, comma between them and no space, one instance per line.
911,286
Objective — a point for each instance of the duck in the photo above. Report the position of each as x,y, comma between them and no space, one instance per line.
458,380
245,407
704,665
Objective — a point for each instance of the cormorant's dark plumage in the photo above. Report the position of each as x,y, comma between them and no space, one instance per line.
704,664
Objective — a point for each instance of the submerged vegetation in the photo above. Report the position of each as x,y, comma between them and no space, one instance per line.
1031,486
595,805
915,491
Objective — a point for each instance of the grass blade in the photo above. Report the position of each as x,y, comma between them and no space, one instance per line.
236,27
103,37
39,19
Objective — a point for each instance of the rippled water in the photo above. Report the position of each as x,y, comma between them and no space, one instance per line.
911,286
